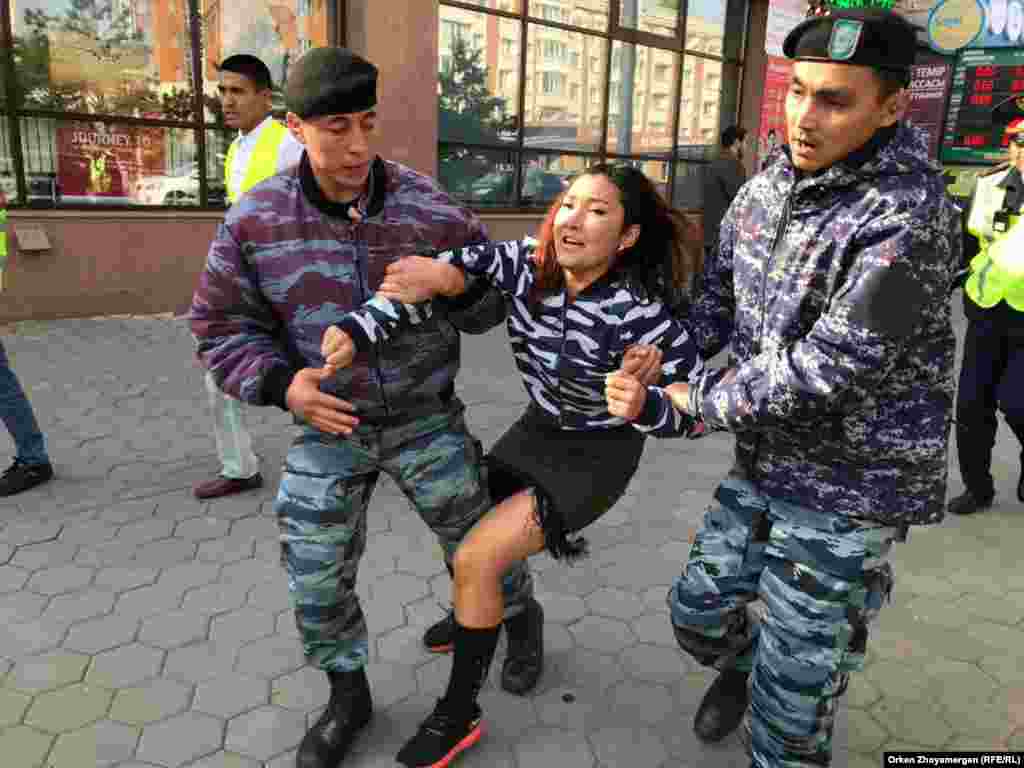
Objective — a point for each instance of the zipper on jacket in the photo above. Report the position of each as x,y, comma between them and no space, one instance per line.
780,231
561,356
363,296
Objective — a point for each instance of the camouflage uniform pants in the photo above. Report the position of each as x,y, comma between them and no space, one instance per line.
321,505
821,579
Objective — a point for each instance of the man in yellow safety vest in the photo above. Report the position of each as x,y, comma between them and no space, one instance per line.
992,370
263,148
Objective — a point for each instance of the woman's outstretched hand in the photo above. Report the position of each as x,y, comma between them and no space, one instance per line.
413,279
337,348
625,395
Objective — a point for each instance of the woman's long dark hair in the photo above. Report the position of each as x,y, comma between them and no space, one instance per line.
662,262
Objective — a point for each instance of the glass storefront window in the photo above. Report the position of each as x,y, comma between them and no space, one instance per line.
514,6
563,95
478,77
699,102
103,57
484,178
545,177
641,109
657,17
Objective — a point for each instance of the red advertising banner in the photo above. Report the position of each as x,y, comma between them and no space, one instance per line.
772,131
929,86
99,162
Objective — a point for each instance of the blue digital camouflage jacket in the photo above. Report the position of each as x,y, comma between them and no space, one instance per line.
833,290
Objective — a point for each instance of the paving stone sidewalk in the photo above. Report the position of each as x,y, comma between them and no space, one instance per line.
140,627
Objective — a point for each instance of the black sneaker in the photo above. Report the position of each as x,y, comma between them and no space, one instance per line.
524,660
441,737
21,476
440,637
967,504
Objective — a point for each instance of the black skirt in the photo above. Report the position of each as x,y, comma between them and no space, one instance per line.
576,475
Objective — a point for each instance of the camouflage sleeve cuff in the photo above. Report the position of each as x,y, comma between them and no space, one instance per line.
275,385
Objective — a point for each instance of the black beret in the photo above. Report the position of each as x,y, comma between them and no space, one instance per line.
330,81
868,38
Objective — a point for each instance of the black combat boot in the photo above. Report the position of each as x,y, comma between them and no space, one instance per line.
721,710
967,504
525,658
349,710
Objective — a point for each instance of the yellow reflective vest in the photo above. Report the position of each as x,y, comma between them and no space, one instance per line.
262,161
997,272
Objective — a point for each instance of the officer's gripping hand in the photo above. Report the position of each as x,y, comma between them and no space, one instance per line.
413,279
625,395
325,412
337,348
644,362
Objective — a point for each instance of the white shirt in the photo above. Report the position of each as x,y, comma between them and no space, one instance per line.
288,155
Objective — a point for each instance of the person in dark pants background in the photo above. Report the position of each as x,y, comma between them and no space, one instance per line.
723,178
992,370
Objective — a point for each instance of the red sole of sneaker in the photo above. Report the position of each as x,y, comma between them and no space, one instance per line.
441,648
471,738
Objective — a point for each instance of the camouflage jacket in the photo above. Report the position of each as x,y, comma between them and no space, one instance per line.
286,264
833,290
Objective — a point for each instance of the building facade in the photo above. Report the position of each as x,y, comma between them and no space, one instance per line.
112,142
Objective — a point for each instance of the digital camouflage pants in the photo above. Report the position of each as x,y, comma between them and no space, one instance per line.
822,580
321,506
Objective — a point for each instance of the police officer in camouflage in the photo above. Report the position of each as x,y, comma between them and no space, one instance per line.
992,369
831,283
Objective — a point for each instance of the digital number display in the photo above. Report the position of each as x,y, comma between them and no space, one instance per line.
983,99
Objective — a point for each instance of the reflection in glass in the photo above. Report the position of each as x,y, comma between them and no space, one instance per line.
545,177
588,14
478,77
705,26
564,93
515,6
217,144
659,17
641,108
700,102
688,187
480,177
278,33
91,162
104,57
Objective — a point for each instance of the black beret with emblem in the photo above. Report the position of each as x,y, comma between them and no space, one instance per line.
330,81
865,37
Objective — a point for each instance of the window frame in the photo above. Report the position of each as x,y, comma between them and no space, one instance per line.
335,13
612,33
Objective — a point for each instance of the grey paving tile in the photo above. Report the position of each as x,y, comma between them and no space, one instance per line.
147,601
403,645
222,759
390,683
265,732
398,588
60,579
78,606
615,604
252,572
257,526
12,707
603,635
145,531
628,747
180,740
6,552
230,694
201,661
635,702
150,702
655,663
548,746
111,553
102,744
237,628
270,595
87,534
12,578
124,666
227,550
20,534
174,629
101,634
124,578
655,628
166,552
21,606
570,708
383,615
25,746
561,608
302,690
202,528
44,673
50,553
189,575
128,511
31,637
216,598
270,657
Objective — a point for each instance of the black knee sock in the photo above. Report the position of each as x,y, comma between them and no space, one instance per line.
474,650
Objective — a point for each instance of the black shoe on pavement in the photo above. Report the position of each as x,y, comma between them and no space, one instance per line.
21,477
440,637
721,710
967,504
441,737
525,658
348,711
